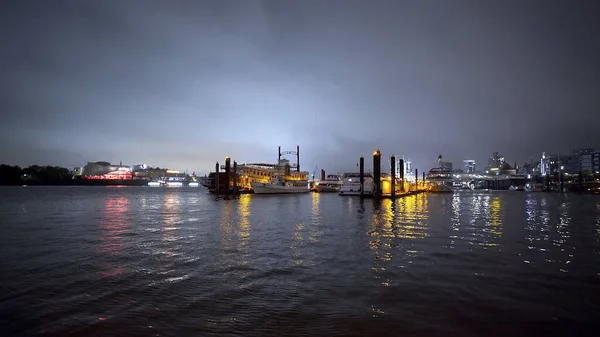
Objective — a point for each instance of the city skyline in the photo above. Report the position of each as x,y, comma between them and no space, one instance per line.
182,85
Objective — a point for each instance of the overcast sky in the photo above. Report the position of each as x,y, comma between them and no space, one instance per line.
182,84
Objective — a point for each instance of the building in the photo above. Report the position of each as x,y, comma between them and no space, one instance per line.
548,164
470,166
590,163
104,170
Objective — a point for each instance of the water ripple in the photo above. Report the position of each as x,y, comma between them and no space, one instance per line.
135,261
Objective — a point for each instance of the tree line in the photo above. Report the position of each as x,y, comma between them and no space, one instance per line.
15,175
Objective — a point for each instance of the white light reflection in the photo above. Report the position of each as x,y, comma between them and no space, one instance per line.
455,219
297,243
563,234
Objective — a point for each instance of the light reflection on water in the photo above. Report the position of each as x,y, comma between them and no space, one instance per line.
114,228
245,227
314,264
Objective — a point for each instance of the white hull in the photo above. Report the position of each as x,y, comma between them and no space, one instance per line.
441,186
261,188
354,190
323,188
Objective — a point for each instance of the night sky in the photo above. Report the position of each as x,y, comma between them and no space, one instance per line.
182,84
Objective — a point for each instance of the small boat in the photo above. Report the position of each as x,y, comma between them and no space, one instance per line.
332,183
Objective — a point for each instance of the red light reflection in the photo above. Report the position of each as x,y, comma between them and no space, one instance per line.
114,227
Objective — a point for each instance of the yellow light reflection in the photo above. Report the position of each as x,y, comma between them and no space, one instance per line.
382,231
244,230
316,218
496,223
226,225
114,227
413,217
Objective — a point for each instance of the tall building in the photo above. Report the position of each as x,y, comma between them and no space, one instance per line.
469,166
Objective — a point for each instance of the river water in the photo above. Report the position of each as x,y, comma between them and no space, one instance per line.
134,261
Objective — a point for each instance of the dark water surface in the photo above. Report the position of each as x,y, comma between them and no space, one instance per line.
94,261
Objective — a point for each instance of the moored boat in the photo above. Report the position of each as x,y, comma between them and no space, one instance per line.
332,183
351,184
440,178
280,184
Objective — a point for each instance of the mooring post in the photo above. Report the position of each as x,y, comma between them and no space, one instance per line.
393,169
562,181
234,190
416,179
401,164
377,174
362,176
227,174
217,179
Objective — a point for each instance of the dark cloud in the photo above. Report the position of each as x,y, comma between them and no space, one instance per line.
182,84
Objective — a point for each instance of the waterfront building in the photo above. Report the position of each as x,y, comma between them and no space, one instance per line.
104,170
590,163
470,166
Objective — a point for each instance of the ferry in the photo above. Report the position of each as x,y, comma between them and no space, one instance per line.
332,183
440,178
351,184
279,184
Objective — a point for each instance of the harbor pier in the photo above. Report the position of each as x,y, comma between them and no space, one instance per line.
387,185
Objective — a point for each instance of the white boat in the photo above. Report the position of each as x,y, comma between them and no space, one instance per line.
351,184
280,185
154,184
440,178
332,183
533,187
